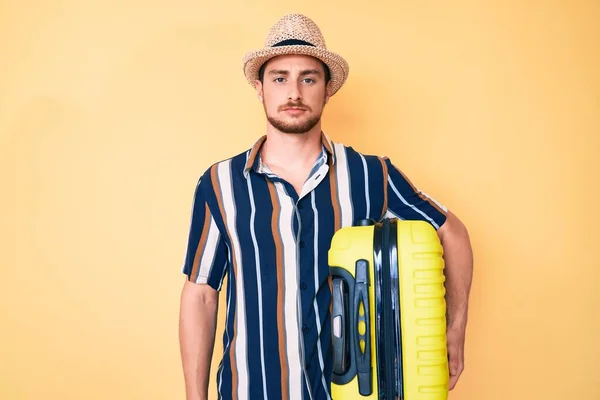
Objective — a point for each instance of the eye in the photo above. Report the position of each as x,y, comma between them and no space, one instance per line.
309,80
278,80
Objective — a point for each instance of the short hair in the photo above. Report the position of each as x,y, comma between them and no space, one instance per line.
261,71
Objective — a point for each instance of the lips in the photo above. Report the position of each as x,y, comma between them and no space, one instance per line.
294,111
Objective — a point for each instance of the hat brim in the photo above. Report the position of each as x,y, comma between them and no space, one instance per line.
338,67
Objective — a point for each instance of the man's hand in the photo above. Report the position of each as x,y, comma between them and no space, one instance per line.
456,352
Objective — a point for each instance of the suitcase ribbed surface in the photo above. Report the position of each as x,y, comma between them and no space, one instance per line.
421,283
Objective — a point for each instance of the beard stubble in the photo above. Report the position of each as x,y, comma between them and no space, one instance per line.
298,126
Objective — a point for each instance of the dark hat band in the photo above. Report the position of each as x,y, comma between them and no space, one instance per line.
292,42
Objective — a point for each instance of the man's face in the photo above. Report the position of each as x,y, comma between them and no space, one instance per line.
293,92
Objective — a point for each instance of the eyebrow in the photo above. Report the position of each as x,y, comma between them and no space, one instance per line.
302,73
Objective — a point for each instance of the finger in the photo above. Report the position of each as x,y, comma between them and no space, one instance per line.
453,365
453,360
455,375
452,382
454,379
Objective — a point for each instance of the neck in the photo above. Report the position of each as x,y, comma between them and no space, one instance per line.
291,150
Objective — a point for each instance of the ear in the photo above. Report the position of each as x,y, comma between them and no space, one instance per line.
259,89
327,92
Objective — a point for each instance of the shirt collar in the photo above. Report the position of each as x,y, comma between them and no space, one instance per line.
253,161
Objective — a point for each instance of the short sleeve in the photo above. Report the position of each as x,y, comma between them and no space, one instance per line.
405,201
206,254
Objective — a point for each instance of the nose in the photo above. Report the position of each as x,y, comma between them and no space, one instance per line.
294,93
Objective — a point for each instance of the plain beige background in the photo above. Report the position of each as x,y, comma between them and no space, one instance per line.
110,110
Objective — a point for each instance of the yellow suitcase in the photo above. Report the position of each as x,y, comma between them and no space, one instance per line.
388,312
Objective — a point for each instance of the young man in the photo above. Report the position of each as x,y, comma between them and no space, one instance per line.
266,218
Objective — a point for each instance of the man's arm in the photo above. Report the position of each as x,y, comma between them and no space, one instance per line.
406,201
197,327
458,258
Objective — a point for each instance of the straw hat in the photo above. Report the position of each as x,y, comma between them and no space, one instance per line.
296,34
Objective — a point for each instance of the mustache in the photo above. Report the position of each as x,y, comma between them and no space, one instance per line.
294,105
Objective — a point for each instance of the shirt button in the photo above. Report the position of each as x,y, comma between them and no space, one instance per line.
301,244
303,286
305,329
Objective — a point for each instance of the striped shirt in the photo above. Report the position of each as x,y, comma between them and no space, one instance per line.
272,243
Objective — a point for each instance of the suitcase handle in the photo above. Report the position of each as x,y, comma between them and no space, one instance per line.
362,353
338,313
